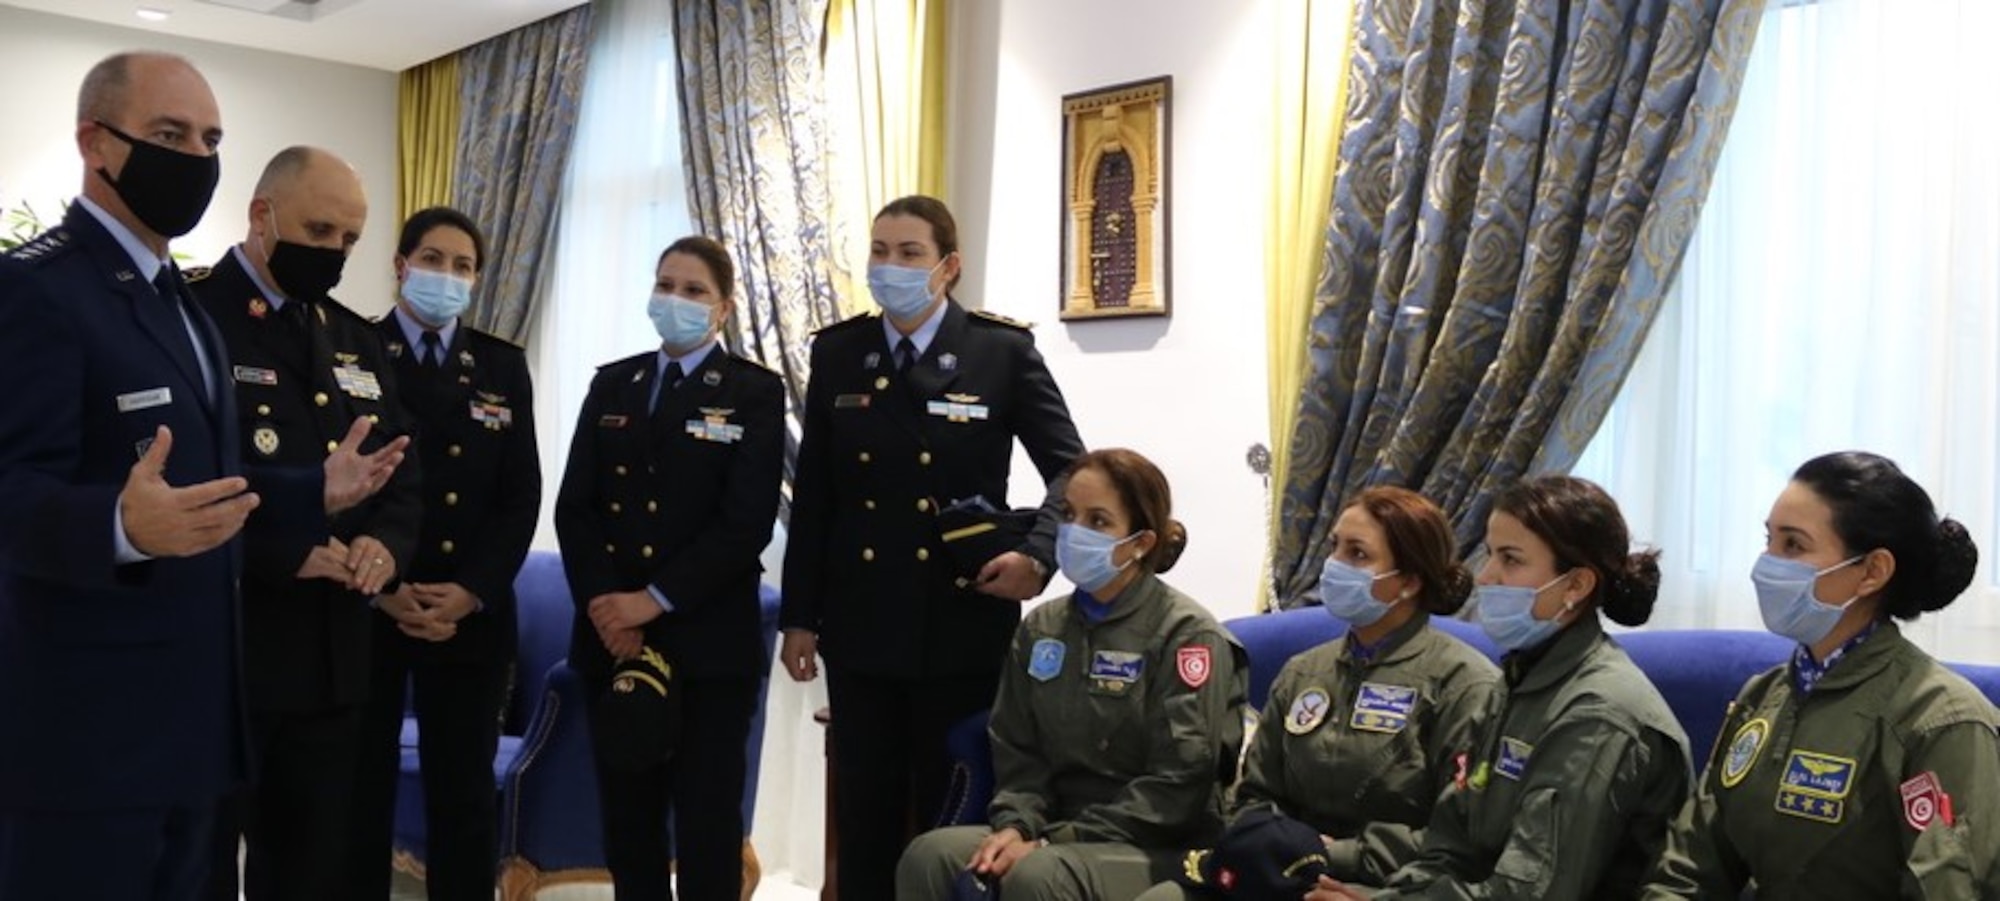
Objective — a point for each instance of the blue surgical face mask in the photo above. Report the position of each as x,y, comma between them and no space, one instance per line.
1348,594
1084,556
902,291
436,297
1785,597
682,323
1507,613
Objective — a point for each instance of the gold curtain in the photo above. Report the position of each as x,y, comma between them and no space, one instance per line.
427,135
884,66
1311,102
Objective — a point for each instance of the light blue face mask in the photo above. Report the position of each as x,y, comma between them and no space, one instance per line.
1507,614
1348,594
902,291
436,297
1084,556
1785,598
682,323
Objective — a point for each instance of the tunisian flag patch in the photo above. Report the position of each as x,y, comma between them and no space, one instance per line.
1193,665
1921,797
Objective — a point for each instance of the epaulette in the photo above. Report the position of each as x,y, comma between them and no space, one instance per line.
756,363
849,321
340,309
42,246
631,359
194,274
1002,320
489,336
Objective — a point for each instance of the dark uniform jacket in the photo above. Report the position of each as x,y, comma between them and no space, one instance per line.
1360,751
864,566
482,487
305,641
1841,793
118,684
682,500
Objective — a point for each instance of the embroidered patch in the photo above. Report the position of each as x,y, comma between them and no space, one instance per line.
1113,672
1513,762
1921,800
1382,708
252,375
1815,786
1193,665
1046,659
1743,751
1308,711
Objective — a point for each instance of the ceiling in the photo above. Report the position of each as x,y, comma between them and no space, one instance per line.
379,34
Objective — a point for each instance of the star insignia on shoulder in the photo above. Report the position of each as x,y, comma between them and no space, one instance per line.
194,274
1003,320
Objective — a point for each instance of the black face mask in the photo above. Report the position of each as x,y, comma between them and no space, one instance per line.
305,273
167,189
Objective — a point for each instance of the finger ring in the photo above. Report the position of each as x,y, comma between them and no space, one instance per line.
379,561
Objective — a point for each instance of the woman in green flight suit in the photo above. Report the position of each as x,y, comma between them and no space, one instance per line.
1569,793
1862,768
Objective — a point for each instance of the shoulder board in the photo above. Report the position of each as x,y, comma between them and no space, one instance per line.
848,322
626,361
754,364
1002,320
339,309
488,336
194,274
42,246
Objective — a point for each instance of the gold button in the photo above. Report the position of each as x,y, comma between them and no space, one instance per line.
868,504
652,506
263,409
611,549
923,553
451,498
375,418
447,546
617,507
868,553
923,505
924,458
320,399
881,382
619,469
865,457
646,551
332,446
455,450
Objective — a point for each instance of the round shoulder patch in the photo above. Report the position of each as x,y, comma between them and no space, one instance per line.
1308,711
1743,751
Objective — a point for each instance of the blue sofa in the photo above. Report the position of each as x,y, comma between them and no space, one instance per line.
1698,671
549,825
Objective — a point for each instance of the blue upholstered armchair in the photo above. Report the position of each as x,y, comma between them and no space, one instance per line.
549,828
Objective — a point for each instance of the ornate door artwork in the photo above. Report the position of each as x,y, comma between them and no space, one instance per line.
1114,201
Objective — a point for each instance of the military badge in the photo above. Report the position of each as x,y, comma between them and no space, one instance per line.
872,361
1046,659
252,375
714,425
265,440
1514,755
395,349
1743,751
948,362
1193,665
493,416
958,408
354,380
612,421
1308,710
881,382
465,359
1815,786
712,378
1382,708
1922,799
259,308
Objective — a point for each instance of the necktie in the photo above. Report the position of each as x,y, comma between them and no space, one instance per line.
906,354
669,380
174,325
433,350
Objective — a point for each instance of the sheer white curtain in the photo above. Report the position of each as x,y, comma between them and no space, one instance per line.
1842,292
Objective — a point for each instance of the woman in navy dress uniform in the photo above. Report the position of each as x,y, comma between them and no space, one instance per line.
668,499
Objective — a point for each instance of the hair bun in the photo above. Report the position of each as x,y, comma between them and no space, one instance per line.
1449,598
1957,561
1629,595
1172,542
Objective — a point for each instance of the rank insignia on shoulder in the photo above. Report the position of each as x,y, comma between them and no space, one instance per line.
1003,320
1046,660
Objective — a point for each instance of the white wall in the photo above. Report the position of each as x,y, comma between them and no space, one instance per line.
269,101
1187,391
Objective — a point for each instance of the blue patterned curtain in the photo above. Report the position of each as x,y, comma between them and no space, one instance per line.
755,143
1518,182
518,98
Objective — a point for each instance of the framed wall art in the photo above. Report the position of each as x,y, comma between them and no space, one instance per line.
1114,200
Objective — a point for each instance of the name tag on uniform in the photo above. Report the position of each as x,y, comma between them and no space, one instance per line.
1815,786
1383,708
851,401
357,382
491,415
251,375
1113,672
612,421
958,408
1513,762
714,425
144,400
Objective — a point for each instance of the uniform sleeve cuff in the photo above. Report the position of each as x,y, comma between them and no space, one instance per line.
660,598
122,550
